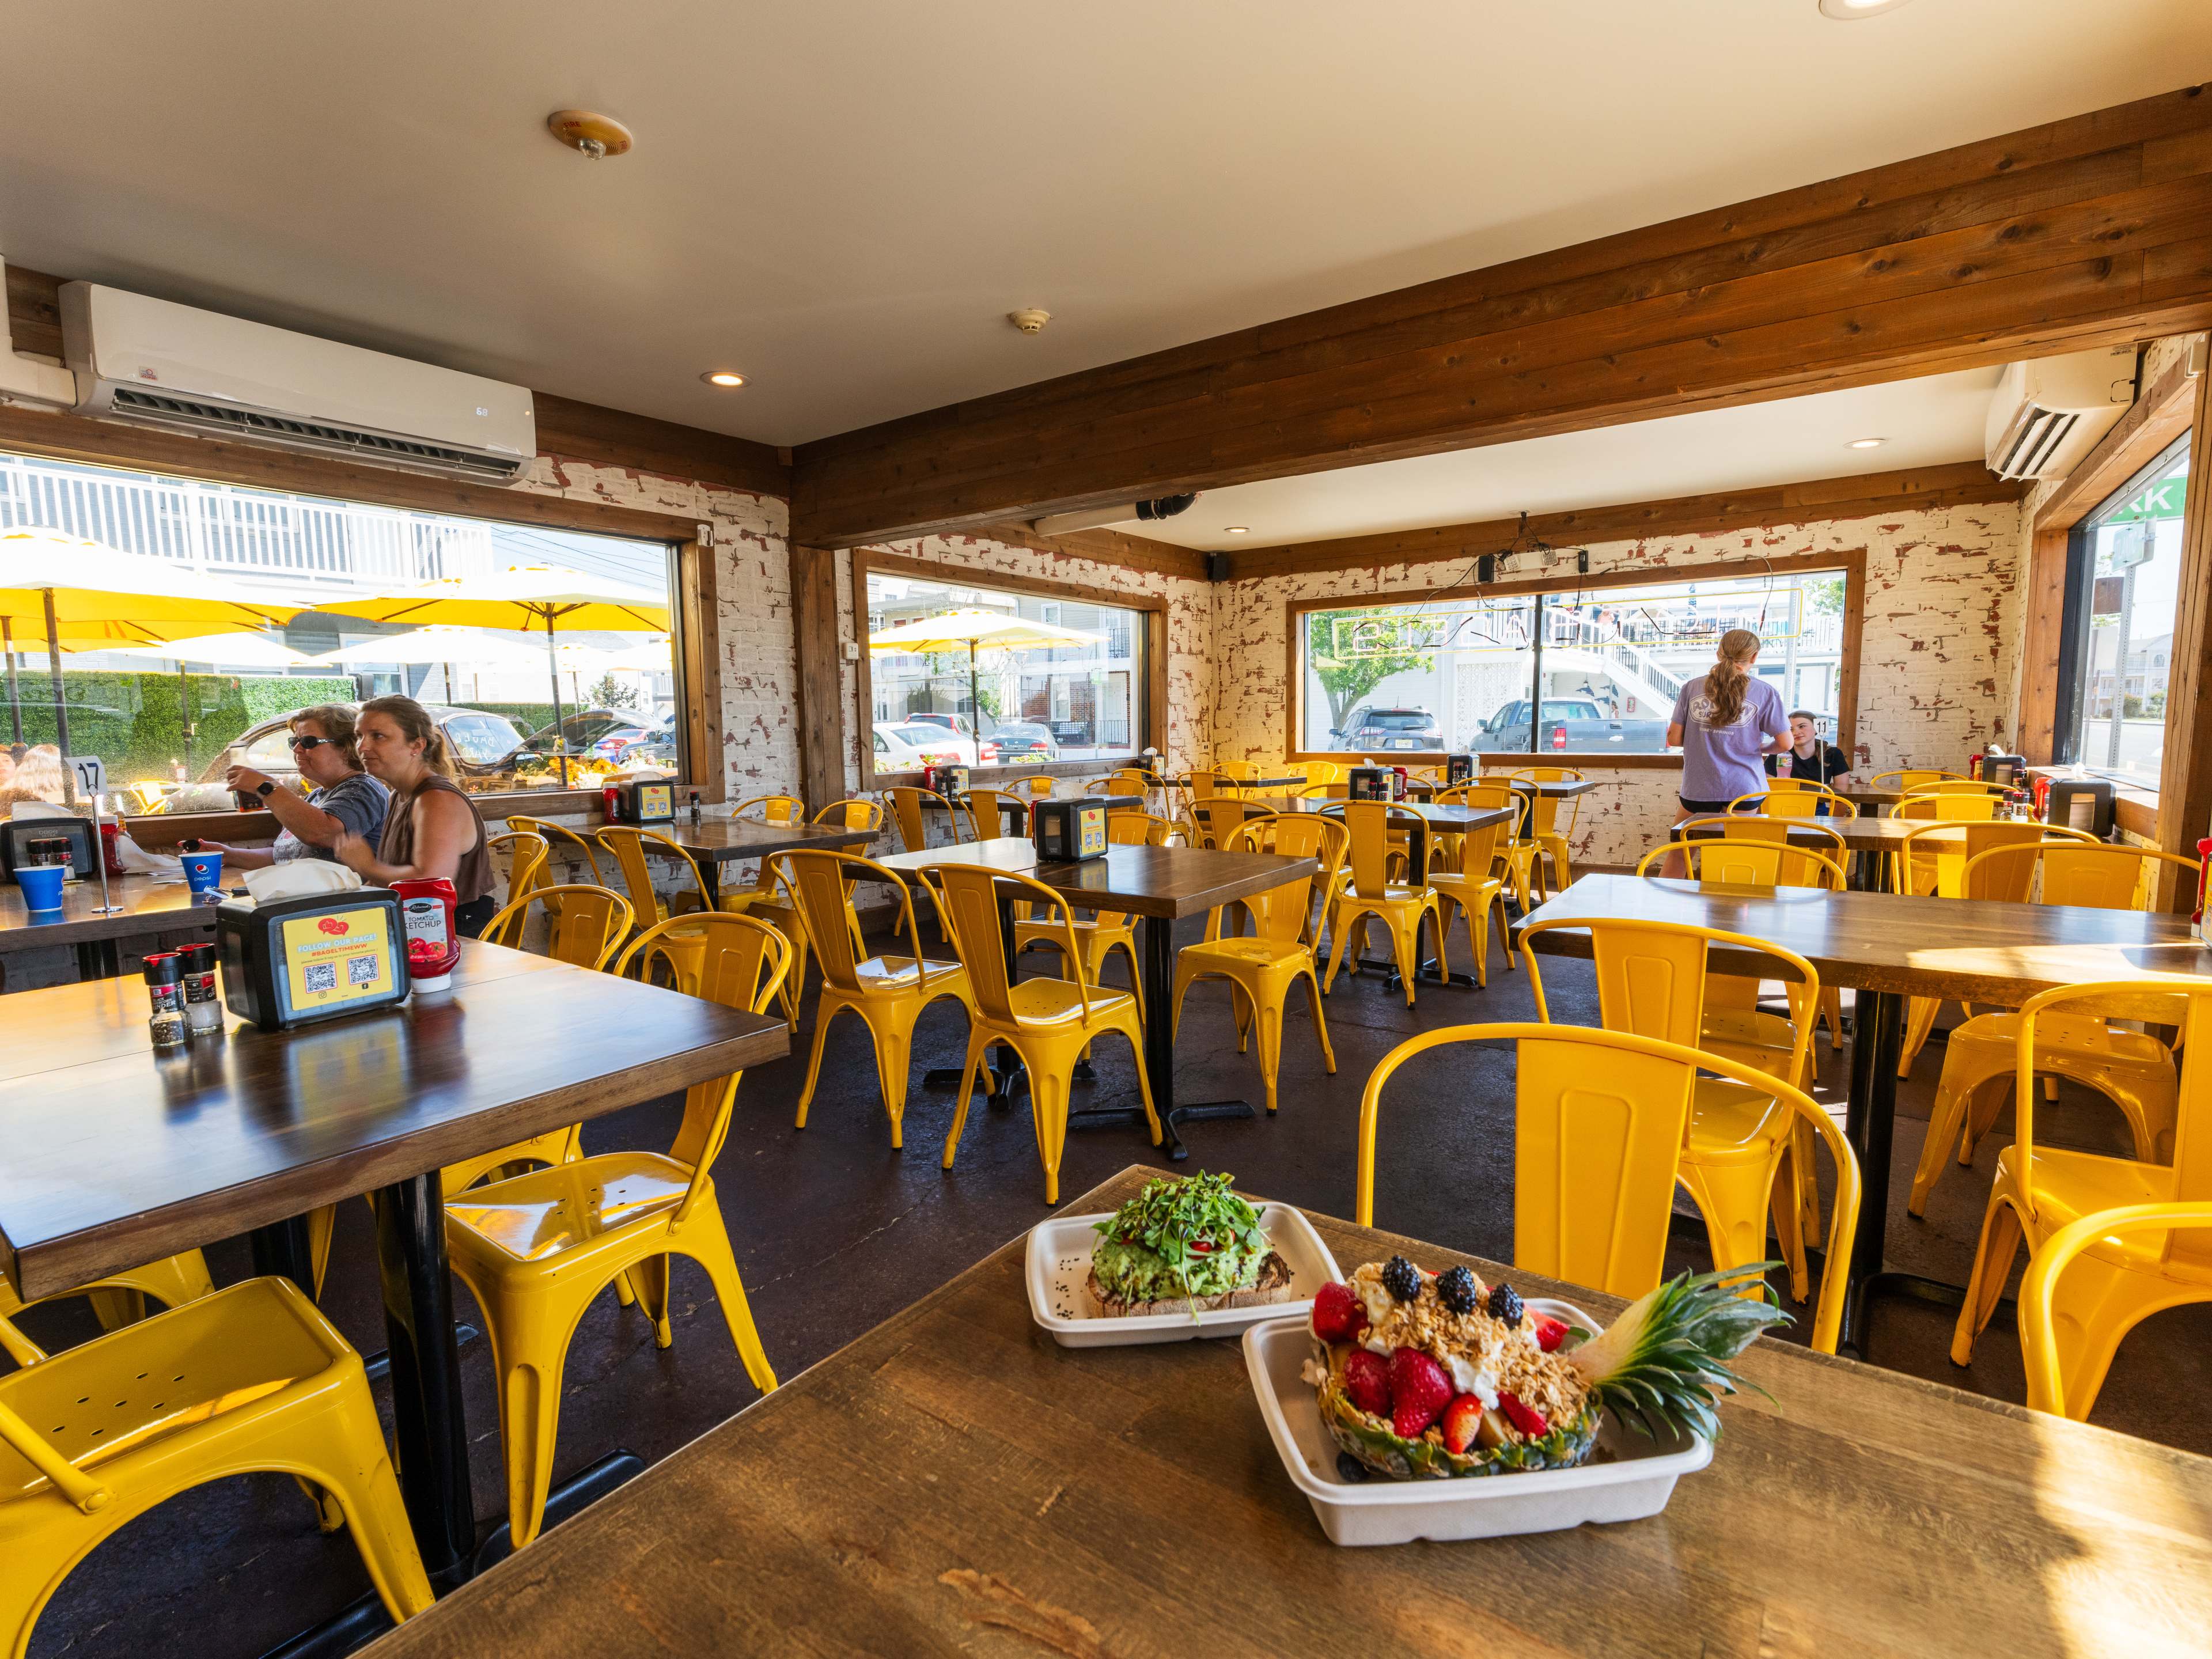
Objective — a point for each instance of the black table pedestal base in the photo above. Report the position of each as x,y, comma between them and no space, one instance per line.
1171,1144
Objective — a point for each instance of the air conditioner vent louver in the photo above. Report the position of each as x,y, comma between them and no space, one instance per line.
215,419
2048,412
2038,435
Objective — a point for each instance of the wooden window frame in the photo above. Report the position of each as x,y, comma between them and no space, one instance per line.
1850,562
1153,607
695,630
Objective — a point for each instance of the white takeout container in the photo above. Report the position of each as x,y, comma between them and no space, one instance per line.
1638,1480
1060,1261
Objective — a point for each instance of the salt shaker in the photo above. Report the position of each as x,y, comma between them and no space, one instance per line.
203,1011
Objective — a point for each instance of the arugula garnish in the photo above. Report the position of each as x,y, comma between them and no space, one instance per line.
1171,1216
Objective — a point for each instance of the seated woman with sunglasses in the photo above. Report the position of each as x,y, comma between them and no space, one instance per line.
344,799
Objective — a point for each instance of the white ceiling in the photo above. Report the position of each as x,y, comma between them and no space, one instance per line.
1926,423
843,199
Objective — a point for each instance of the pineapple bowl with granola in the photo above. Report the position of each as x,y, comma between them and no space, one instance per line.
1435,1376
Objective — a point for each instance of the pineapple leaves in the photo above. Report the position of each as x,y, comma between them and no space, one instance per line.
1664,1362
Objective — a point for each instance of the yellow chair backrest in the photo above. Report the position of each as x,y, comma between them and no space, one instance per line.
1932,859
1127,829
1543,809
2164,1001
1748,863
1369,824
1123,783
821,884
584,924
629,846
774,809
1797,786
1040,786
1281,913
852,814
1735,826
1243,771
907,803
562,840
1910,779
526,852
2089,875
969,900
1216,817
986,812
1782,802
1955,809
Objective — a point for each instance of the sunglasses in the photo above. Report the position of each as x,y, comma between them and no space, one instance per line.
303,745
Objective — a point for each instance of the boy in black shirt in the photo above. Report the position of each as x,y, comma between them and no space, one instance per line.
1808,758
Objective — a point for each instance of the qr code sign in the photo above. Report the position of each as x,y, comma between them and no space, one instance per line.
322,975
360,971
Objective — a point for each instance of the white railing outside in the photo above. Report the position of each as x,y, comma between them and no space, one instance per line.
241,532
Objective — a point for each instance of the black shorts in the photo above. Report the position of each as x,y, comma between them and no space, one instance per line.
1689,805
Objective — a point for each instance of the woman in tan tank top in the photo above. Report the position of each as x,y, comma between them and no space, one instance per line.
432,828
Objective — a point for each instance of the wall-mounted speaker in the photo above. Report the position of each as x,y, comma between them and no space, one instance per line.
1217,566
1486,569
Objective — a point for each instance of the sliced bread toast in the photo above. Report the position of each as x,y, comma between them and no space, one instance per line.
1274,1285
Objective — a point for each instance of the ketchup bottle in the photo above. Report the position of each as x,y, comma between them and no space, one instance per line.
434,945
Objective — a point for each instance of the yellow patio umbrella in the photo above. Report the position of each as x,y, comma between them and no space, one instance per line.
68,589
524,598
973,628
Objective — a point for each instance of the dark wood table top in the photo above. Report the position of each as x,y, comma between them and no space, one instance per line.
1447,818
149,906
723,841
117,1155
1967,950
1560,789
1016,1498
1282,782
1862,833
1167,882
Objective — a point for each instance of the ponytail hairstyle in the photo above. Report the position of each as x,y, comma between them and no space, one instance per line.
1726,682
416,725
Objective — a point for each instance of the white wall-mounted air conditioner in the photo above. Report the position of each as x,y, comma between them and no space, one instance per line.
154,363
2048,412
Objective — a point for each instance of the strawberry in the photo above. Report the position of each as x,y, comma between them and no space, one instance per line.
1338,1316
1550,1332
1526,1419
1462,1418
1420,1390
1367,1382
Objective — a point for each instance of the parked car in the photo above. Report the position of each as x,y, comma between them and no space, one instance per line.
1571,725
960,723
1377,730
907,746
615,746
581,728
485,747
1019,742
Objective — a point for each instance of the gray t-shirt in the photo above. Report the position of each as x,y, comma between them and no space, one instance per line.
1719,764
358,802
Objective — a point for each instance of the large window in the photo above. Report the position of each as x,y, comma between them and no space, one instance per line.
2125,569
191,618
1590,671
989,677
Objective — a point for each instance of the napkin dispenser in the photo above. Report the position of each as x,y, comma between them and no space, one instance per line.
1368,783
646,803
2080,804
293,961
1458,769
1070,829
17,834
2007,771
950,781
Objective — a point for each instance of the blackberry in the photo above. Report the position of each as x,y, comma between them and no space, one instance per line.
1455,1290
1505,1303
1402,1279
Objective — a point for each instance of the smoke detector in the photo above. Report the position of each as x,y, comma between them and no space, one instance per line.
1029,321
591,135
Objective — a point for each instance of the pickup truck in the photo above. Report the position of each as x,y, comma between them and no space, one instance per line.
1571,725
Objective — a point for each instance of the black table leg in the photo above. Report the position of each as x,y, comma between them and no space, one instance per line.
281,1251
433,1450
1008,1075
98,958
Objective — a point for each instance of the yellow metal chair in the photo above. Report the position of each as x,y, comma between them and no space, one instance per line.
2098,1283
1121,783
1953,806
1794,798
1050,1023
774,809
1243,771
1910,778
906,803
986,812
1599,1121
1745,1154
1313,771
1543,838
536,1250
2052,1341
1745,860
1475,888
852,814
562,842
1100,935
118,1300
1791,873
1039,786
887,992
2132,1069
526,852
1214,819
1369,894
246,1380
1261,968
633,851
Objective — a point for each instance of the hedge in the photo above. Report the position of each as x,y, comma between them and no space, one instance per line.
133,721
528,717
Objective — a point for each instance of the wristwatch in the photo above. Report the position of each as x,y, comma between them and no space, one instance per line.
265,789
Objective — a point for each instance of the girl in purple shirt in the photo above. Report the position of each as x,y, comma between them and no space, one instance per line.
1725,725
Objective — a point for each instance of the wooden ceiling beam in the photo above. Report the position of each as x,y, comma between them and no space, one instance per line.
2087,231
1865,496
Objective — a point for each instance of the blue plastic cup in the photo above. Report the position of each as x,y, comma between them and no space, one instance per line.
41,885
203,872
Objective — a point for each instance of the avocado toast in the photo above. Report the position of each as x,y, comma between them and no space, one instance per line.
1187,1246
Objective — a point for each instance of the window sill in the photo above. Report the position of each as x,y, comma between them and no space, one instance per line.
1576,759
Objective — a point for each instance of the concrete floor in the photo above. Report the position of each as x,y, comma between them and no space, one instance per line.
835,1232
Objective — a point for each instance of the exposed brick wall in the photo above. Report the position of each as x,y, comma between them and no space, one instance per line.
1940,642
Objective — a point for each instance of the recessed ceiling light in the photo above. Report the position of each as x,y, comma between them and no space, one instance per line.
1238,530
591,135
729,377
1849,11
1866,443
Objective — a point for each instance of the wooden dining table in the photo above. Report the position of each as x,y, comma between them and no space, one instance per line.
1159,885
117,1154
717,841
954,1483
1888,947
143,908
1868,842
